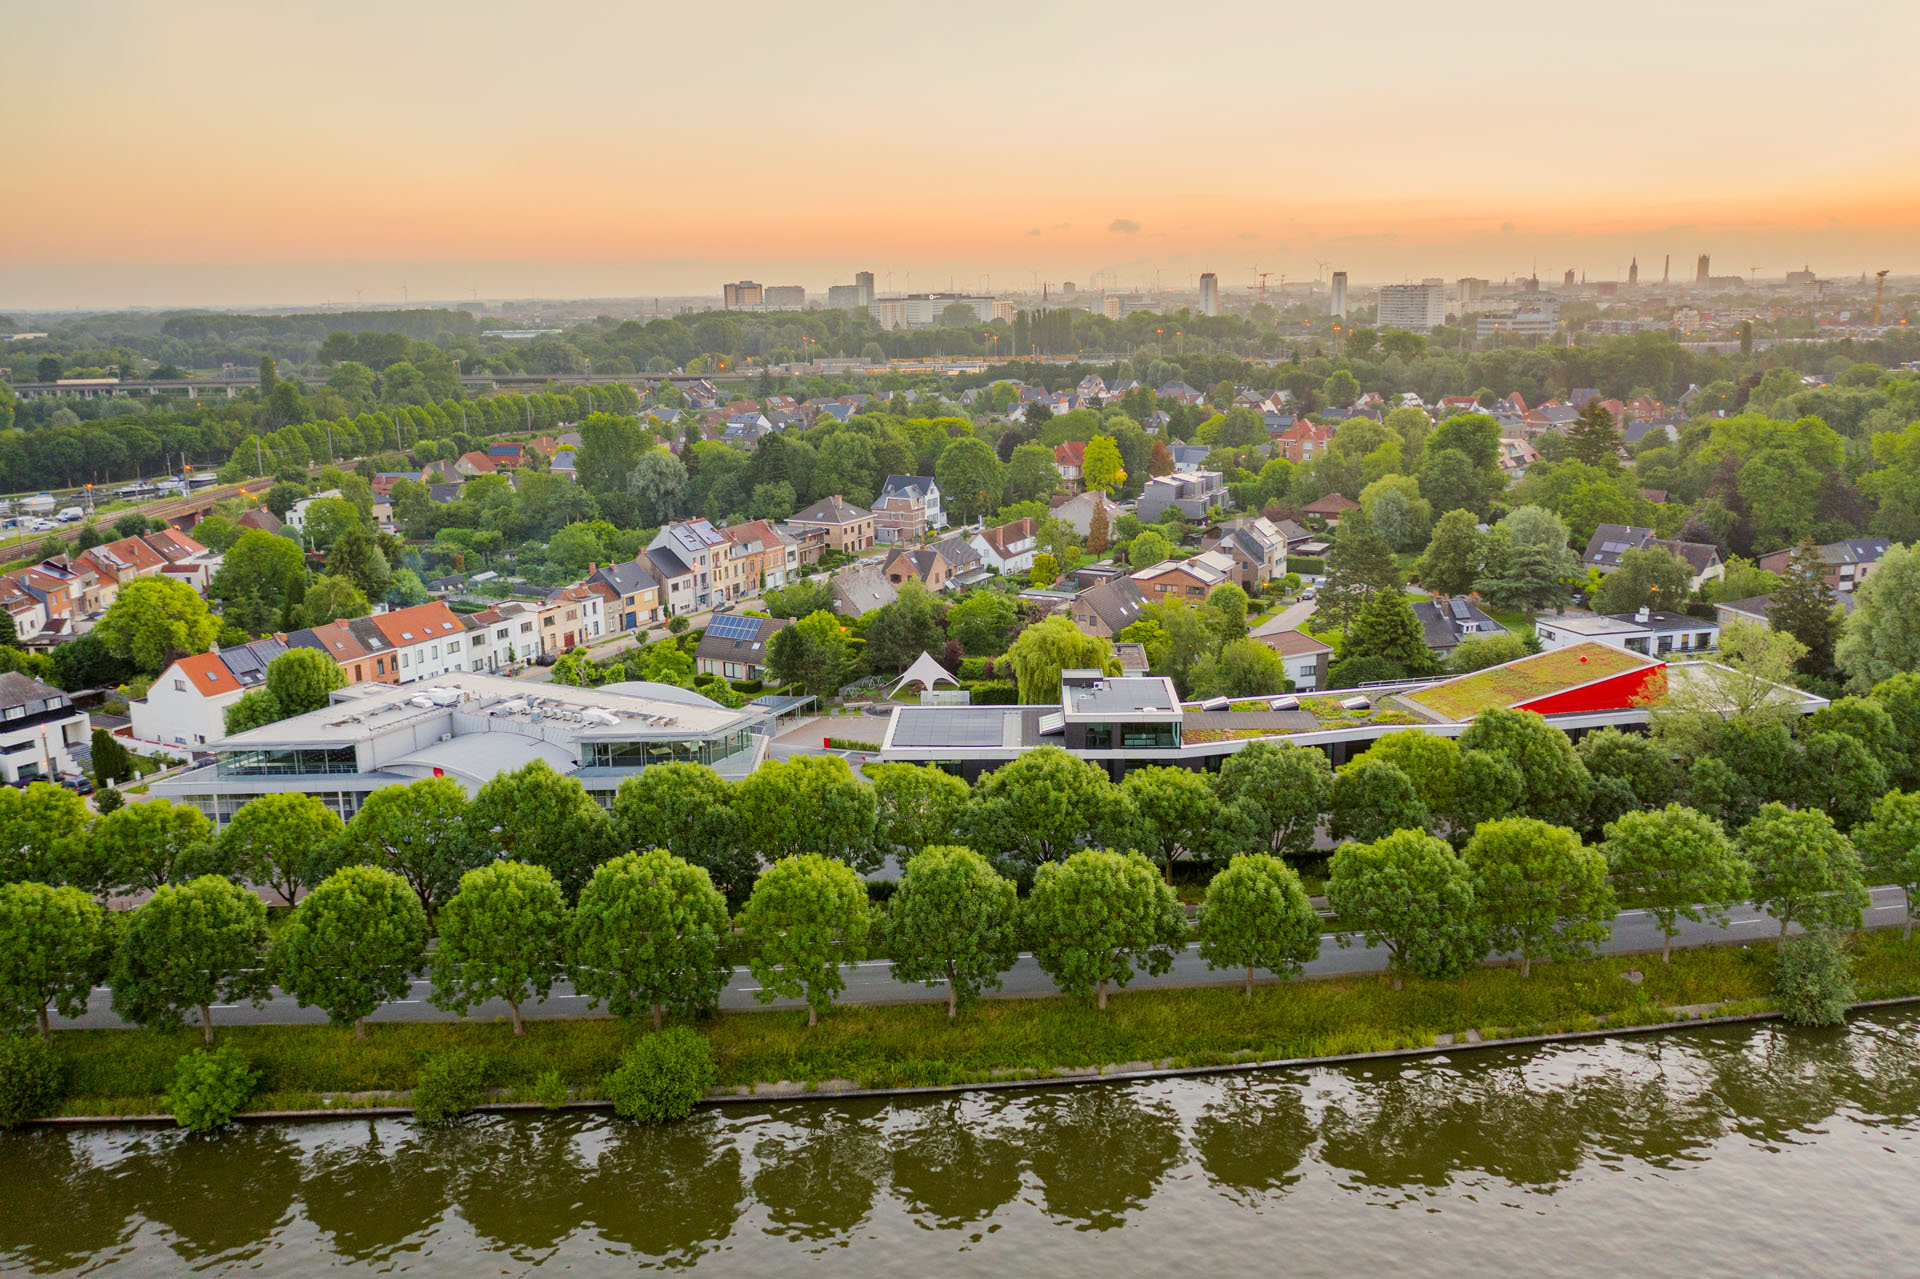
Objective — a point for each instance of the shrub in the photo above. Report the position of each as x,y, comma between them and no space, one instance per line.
549,1091
852,744
996,692
29,1080
1306,564
1813,982
449,1086
209,1087
662,1077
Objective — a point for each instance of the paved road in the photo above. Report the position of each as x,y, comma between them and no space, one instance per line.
872,982
1290,618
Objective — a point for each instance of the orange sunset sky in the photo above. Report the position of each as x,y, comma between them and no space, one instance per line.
200,153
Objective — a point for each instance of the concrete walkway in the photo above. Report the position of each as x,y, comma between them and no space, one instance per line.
1290,618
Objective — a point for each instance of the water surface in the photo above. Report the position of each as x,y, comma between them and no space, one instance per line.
1757,1150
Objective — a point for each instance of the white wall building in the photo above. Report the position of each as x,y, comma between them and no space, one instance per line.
39,729
1417,308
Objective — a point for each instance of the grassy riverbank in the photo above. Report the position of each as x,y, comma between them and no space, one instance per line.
124,1072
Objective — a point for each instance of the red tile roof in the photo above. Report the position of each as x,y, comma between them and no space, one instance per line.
417,624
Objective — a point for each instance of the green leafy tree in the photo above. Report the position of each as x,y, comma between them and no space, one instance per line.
1478,652
1031,473
1242,668
807,804
51,954
301,679
1282,787
538,816
1889,845
112,762
1037,808
970,478
1227,607
502,936
1527,562
281,840
43,832
1372,798
331,599
1413,894
1149,547
1540,891
1101,466
982,622
255,709
1360,566
647,934
142,846
1096,917
1256,915
1049,647
1340,389
418,832
191,946
1804,870
807,917
1653,577
351,945
1674,863
1557,783
359,559
814,653
156,620
1805,606
688,810
270,568
900,632
1387,629
1451,561
1175,812
1592,438
915,806
798,599
953,920
1045,571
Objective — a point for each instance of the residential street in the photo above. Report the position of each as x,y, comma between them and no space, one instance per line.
1290,618
872,982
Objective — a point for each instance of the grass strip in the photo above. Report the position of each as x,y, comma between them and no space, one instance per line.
117,1072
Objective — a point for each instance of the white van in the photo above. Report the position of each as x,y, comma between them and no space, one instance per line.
72,513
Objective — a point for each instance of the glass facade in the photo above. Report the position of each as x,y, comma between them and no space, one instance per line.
221,808
289,762
1147,736
642,753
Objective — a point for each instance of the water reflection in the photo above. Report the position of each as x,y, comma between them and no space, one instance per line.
1574,1132
954,1167
189,1188
1099,1151
818,1175
61,1206
1255,1136
376,1186
672,1194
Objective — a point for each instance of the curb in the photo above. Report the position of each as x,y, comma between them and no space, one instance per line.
1072,1075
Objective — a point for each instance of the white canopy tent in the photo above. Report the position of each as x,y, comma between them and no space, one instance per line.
926,672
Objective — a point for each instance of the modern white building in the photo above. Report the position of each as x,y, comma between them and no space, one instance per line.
1209,294
1337,307
1650,632
470,728
40,728
1417,308
187,704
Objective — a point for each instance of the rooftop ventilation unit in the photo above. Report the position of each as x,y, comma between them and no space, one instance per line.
1356,704
1215,704
1284,704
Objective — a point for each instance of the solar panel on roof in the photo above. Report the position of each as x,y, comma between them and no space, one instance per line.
1459,608
1614,548
729,626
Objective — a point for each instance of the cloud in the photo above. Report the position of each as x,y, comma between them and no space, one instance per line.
1248,235
1062,226
1034,231
1506,228
1126,226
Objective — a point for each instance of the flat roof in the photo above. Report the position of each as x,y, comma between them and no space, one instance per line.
1122,695
364,712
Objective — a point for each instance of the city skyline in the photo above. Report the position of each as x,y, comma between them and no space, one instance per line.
450,157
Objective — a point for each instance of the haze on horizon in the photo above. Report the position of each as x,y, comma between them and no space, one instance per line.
209,152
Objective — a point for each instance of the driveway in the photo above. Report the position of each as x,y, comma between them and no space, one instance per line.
1290,618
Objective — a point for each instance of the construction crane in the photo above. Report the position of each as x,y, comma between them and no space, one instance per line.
1879,292
1263,281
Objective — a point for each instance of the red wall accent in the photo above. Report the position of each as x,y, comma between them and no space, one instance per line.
1620,692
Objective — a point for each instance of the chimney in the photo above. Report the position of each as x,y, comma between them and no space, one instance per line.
1644,616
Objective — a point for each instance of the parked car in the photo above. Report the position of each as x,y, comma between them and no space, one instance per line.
1307,594
79,784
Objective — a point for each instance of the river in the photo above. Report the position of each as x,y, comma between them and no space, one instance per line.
1753,1149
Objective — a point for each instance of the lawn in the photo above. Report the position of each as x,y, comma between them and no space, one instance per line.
125,1071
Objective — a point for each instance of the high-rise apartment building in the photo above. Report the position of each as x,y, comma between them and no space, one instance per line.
1633,272
1417,308
1703,272
1209,294
863,281
1338,307
744,294
1472,289
786,297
